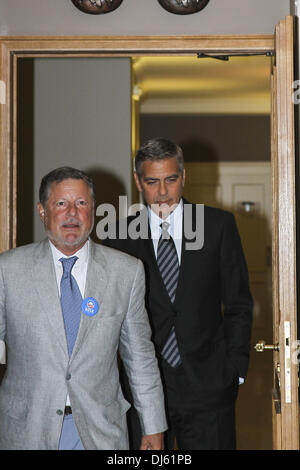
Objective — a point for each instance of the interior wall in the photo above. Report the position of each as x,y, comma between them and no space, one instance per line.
140,17
70,117
212,138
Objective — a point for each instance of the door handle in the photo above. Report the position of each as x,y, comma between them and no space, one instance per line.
261,346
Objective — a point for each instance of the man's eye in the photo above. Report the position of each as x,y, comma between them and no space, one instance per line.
172,180
61,203
82,203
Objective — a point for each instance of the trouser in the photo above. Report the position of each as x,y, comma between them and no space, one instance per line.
191,426
69,438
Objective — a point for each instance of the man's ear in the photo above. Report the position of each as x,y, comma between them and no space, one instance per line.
183,177
41,211
137,182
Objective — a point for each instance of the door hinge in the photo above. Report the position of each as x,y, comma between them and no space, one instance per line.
225,57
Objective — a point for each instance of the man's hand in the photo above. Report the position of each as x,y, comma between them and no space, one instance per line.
153,442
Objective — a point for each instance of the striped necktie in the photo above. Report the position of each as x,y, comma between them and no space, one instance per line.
71,300
167,261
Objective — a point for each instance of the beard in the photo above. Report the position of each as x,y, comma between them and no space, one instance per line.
60,241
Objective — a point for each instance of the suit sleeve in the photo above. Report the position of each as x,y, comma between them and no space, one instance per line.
236,296
138,355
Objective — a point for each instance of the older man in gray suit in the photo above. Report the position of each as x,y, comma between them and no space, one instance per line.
67,306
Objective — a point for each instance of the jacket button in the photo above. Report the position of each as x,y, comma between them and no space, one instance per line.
59,412
68,376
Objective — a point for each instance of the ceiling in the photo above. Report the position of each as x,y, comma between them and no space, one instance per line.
205,86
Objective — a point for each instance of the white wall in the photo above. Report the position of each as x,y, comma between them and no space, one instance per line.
140,17
82,118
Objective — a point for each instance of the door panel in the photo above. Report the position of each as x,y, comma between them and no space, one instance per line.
285,387
239,187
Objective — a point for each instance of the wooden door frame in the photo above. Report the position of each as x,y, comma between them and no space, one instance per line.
12,48
286,423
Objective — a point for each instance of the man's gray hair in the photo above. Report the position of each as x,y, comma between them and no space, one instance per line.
158,149
61,174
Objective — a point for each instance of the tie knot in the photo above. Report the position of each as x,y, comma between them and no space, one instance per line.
164,230
68,263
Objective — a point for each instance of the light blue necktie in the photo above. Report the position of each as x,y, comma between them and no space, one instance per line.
71,300
167,261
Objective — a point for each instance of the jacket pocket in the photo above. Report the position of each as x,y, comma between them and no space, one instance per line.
14,407
115,410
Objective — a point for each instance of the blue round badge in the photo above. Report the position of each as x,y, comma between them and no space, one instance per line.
90,306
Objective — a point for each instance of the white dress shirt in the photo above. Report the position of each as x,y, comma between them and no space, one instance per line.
175,228
79,271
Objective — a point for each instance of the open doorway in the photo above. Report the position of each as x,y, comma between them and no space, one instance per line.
285,385
219,113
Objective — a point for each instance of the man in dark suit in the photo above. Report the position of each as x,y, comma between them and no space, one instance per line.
198,301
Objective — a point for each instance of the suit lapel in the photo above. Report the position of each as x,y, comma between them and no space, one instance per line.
184,256
147,245
95,286
44,280
182,265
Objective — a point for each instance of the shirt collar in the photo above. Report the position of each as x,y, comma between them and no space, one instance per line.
82,254
174,219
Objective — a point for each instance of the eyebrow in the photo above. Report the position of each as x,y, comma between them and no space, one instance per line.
152,178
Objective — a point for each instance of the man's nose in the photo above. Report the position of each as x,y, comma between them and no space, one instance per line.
72,208
163,188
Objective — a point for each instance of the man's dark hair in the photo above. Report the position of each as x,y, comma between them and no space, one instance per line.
158,149
61,174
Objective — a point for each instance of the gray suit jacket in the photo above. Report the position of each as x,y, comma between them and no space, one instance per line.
39,372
